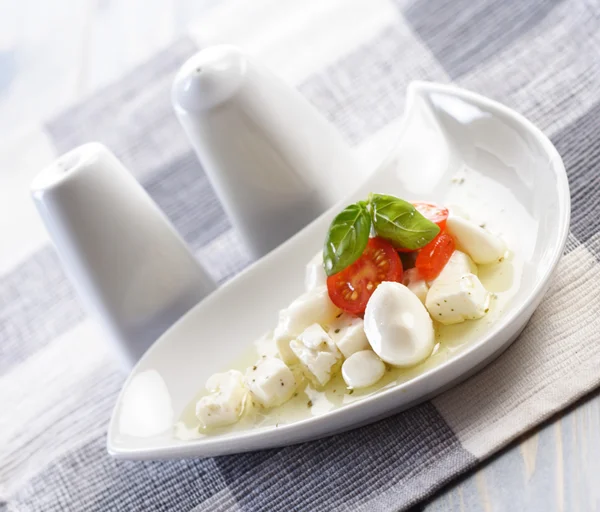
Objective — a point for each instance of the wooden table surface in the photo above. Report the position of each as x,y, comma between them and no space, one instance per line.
54,53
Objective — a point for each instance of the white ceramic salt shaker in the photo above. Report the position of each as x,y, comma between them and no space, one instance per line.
275,162
132,270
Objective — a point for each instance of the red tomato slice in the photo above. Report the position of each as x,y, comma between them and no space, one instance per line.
434,213
433,257
351,288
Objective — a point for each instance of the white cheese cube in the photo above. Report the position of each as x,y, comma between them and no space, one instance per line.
225,403
481,245
348,333
312,307
317,352
270,382
315,273
362,369
457,294
416,284
457,266
454,301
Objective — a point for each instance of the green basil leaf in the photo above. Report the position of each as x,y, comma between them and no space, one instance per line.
347,238
399,222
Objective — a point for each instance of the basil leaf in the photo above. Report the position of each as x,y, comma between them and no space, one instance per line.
399,222
347,238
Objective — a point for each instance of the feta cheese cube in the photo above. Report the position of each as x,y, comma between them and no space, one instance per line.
457,300
457,266
481,245
315,273
317,352
224,405
270,382
312,307
416,284
348,333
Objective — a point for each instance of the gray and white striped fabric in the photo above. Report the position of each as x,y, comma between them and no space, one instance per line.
353,60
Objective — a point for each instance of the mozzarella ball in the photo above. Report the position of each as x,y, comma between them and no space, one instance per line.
398,326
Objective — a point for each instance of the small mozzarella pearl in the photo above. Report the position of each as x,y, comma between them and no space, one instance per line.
362,369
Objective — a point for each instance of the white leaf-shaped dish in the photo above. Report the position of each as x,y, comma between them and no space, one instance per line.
454,147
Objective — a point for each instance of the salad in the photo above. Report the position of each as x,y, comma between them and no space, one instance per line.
390,274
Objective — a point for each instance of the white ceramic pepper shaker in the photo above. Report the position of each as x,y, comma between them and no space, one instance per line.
132,270
275,162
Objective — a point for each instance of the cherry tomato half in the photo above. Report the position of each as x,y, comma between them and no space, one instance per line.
433,257
351,288
434,213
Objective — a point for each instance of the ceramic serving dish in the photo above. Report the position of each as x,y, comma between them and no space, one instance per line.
453,147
